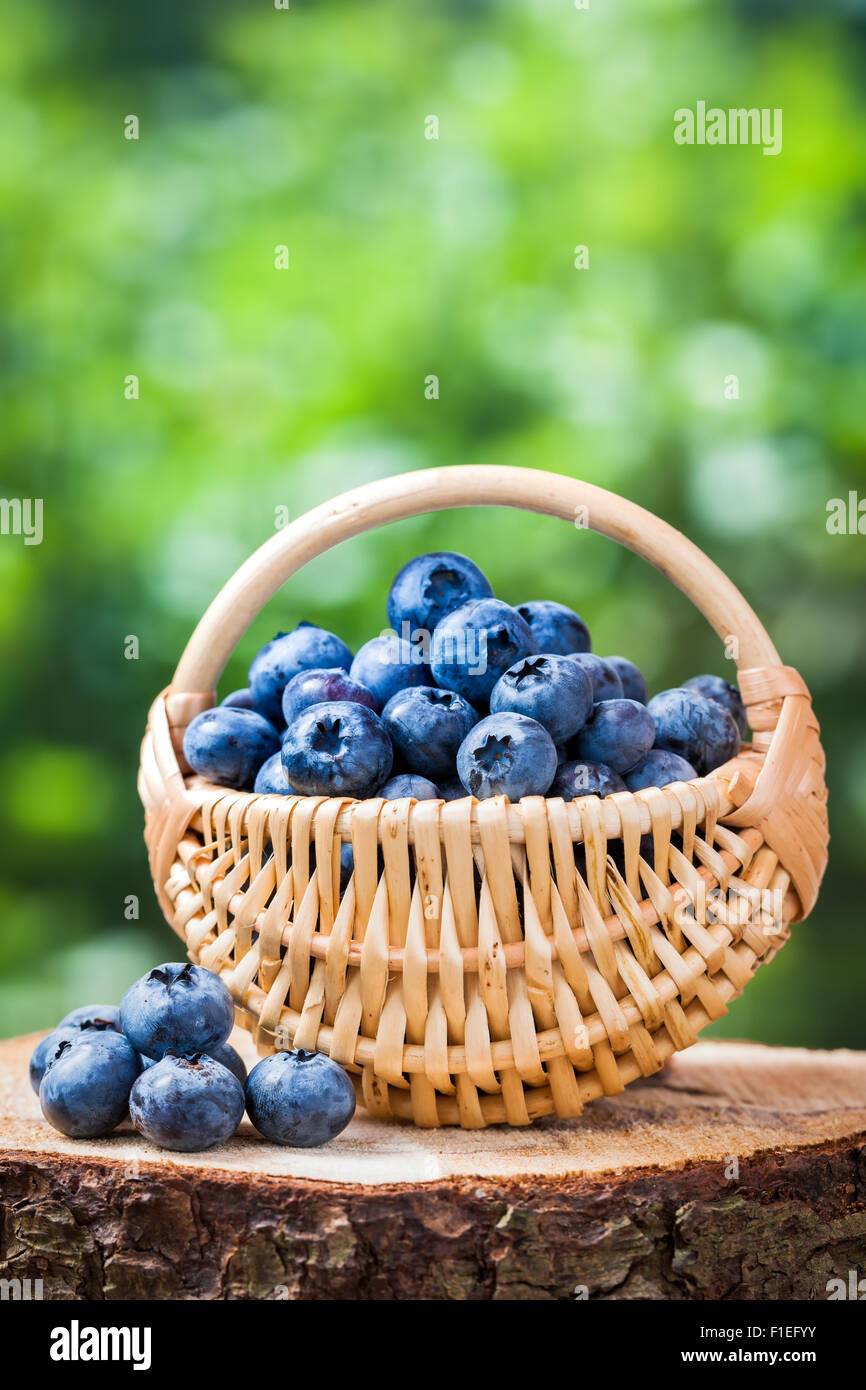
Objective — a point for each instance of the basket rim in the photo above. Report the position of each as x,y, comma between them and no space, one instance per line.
670,794
699,801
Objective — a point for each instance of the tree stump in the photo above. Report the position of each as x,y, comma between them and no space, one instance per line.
736,1173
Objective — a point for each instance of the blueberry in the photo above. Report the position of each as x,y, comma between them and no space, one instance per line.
98,1017
224,1054
87,1081
617,733
178,1006
427,726
631,679
700,730
555,627
606,684
549,688
475,644
42,1051
429,587
228,745
409,784
305,649
507,755
243,699
271,777
575,779
452,789
657,769
338,749
714,688
299,1098
92,1014
319,686
387,664
240,699
187,1102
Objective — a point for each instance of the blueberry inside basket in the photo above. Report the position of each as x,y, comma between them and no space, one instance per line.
470,973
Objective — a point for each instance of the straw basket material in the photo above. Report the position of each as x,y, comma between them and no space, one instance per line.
490,962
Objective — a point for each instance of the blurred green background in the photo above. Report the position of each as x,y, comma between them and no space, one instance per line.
262,388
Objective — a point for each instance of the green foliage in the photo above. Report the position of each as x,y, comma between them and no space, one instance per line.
262,388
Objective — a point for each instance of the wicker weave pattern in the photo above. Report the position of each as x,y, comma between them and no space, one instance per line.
471,973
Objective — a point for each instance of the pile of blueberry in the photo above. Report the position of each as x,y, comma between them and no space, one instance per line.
162,1058
463,695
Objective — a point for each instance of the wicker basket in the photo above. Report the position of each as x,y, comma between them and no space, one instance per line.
471,974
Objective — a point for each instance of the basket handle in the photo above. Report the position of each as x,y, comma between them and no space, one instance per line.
465,485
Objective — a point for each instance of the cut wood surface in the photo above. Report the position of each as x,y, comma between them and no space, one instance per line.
737,1172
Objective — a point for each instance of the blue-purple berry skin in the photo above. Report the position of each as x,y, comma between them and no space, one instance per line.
555,627
715,688
302,1099
577,778
95,1017
606,684
271,778
321,686
42,1051
229,1057
427,726
658,769
699,730
507,755
338,749
347,865
452,789
187,1102
617,733
243,699
475,644
409,784
85,1088
228,745
549,688
387,664
634,686
87,1015
178,1007
239,699
274,665
431,586
225,1054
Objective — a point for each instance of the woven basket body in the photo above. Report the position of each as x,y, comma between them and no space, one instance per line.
489,962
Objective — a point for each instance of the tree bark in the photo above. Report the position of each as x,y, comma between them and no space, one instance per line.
737,1173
